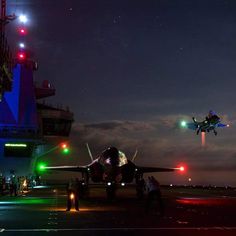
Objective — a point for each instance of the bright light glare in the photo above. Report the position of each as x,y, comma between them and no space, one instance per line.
21,45
23,18
72,196
21,56
183,123
227,125
42,167
15,145
22,31
203,136
181,168
64,145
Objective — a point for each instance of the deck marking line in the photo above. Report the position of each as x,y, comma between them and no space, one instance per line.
113,229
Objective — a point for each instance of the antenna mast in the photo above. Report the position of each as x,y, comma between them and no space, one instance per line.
6,61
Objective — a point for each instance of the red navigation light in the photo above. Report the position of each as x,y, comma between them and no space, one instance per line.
181,168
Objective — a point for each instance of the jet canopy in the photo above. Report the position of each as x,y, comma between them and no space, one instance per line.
114,157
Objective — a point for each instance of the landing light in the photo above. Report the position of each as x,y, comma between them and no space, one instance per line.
72,196
122,184
109,183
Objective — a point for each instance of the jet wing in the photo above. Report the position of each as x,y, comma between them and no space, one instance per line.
155,169
192,126
67,168
222,125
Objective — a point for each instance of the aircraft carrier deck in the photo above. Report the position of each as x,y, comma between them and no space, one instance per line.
188,211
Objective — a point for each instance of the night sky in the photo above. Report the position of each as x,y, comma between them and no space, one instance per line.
130,70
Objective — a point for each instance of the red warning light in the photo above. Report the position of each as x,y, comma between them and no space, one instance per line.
181,168
21,56
22,31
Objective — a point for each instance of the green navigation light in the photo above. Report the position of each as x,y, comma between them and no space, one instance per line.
41,167
183,124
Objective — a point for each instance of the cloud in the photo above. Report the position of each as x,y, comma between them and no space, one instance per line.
158,143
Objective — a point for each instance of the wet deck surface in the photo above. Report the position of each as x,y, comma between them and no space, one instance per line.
187,212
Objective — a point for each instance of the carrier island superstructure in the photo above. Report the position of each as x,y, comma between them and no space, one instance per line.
29,127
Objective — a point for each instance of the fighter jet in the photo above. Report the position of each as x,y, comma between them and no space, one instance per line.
113,168
211,122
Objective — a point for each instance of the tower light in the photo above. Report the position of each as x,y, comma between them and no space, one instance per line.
23,19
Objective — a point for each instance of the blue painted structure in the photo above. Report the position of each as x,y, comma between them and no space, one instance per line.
24,120
18,120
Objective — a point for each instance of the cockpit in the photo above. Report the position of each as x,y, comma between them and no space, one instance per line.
114,157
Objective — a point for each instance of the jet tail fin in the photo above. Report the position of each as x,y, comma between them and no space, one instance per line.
89,152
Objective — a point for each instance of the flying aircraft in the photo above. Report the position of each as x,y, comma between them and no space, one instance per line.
211,122
113,168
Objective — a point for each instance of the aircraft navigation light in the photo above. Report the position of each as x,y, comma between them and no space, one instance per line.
109,183
227,125
41,167
181,168
183,123
122,184
23,19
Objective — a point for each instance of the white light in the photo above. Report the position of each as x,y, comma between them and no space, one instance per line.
122,184
183,123
109,183
23,18
22,45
